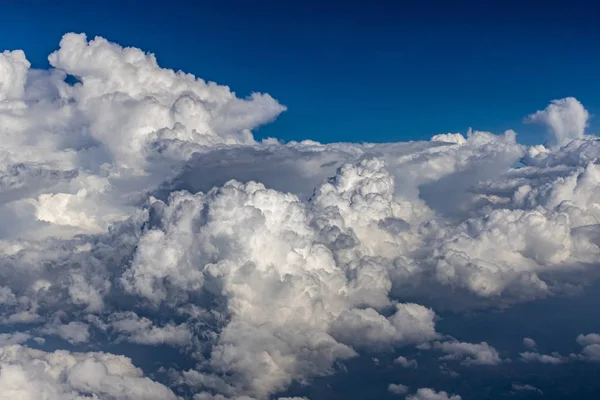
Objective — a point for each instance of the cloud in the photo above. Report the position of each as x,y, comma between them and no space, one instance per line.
555,358
13,73
74,332
405,362
526,388
430,394
529,343
590,351
8,339
61,375
137,207
591,346
470,353
566,119
138,330
398,389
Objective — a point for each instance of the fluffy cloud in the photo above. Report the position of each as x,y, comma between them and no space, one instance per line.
32,374
529,343
470,353
134,329
398,389
405,362
73,332
13,73
7,339
430,394
137,207
566,119
591,346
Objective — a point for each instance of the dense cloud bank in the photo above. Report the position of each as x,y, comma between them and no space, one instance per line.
137,207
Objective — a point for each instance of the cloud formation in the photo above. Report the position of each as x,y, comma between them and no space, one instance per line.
470,353
398,389
430,394
565,119
138,208
61,375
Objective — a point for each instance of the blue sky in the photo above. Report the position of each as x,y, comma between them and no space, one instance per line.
352,71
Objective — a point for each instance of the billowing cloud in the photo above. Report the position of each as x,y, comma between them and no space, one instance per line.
591,346
33,374
566,119
138,208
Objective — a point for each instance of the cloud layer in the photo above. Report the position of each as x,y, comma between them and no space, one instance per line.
138,208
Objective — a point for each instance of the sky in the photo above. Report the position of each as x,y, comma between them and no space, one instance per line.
299,201
378,71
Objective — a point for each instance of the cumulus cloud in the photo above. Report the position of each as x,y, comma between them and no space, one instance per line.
566,119
469,353
134,329
405,362
138,207
430,394
61,375
591,346
529,343
7,339
398,389
74,332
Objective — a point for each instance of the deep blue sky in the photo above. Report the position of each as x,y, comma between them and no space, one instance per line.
352,71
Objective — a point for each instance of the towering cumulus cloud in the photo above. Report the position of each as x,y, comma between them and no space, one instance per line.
138,208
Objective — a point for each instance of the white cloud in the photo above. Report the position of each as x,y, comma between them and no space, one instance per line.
137,206
8,339
430,394
591,346
405,362
526,388
74,332
529,343
32,374
555,358
398,389
13,72
566,119
470,353
142,330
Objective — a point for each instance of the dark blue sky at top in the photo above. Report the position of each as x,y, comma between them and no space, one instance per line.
352,71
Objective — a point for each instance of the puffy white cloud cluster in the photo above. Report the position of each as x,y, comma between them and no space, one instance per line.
137,207
78,156
566,119
61,375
